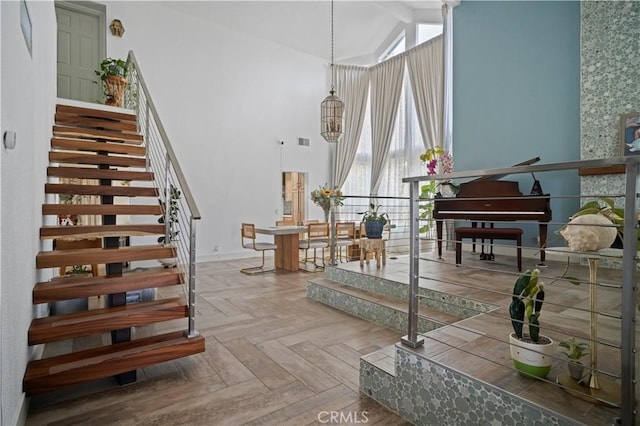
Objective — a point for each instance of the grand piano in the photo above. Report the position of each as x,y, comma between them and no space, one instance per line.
489,200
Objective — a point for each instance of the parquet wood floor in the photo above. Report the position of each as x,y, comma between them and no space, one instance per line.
273,357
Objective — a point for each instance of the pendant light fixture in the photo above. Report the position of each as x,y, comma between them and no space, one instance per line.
332,108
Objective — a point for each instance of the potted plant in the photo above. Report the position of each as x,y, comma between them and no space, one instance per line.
113,73
531,352
373,221
594,226
574,351
171,209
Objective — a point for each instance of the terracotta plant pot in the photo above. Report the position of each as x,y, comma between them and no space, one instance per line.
115,86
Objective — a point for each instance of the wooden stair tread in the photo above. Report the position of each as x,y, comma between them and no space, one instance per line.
53,373
68,326
79,120
73,287
94,146
95,173
122,191
87,133
97,113
401,305
92,256
101,209
96,159
91,231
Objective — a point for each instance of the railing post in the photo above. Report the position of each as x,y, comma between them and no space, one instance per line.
412,339
332,236
192,280
629,258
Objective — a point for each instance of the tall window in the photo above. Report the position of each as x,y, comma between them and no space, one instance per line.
406,145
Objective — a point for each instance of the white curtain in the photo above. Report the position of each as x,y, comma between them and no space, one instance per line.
386,84
425,66
447,32
352,86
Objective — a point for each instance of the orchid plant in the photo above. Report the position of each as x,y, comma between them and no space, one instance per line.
438,161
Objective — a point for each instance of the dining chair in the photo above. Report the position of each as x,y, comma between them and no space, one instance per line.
76,244
317,237
345,237
249,242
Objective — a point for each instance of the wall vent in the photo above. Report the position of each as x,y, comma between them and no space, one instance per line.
303,141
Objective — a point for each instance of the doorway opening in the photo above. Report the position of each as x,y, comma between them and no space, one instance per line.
81,35
293,198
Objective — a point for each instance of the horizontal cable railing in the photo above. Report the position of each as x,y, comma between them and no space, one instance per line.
181,211
589,295
396,231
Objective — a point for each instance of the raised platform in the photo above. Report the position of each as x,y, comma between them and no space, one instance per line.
463,374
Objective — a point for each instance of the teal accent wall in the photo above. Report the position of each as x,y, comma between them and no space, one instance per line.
516,91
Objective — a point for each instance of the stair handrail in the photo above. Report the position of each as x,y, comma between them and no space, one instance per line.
138,98
131,102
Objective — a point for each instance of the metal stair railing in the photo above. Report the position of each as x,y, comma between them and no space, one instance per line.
181,216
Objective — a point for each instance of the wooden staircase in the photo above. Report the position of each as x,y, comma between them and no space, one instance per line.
104,145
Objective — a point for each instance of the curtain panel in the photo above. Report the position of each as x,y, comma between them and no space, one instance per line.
447,34
426,71
386,84
352,86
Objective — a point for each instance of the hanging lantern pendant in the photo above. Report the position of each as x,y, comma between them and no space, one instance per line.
332,108
332,112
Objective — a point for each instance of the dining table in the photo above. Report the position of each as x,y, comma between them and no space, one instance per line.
286,237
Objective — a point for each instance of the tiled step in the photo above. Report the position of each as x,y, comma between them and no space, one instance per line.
73,287
383,310
58,372
94,146
457,305
95,173
92,256
68,326
100,230
121,191
427,392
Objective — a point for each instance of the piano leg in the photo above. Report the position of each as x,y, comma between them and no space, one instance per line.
439,238
542,231
491,256
473,240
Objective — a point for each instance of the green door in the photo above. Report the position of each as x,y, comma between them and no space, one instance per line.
80,47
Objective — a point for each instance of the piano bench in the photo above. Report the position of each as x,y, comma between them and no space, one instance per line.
513,234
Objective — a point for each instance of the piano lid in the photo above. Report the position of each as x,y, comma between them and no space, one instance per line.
496,177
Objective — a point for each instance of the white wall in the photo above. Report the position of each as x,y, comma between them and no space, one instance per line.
27,107
226,100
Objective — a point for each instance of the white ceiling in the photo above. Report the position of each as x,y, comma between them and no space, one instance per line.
360,27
